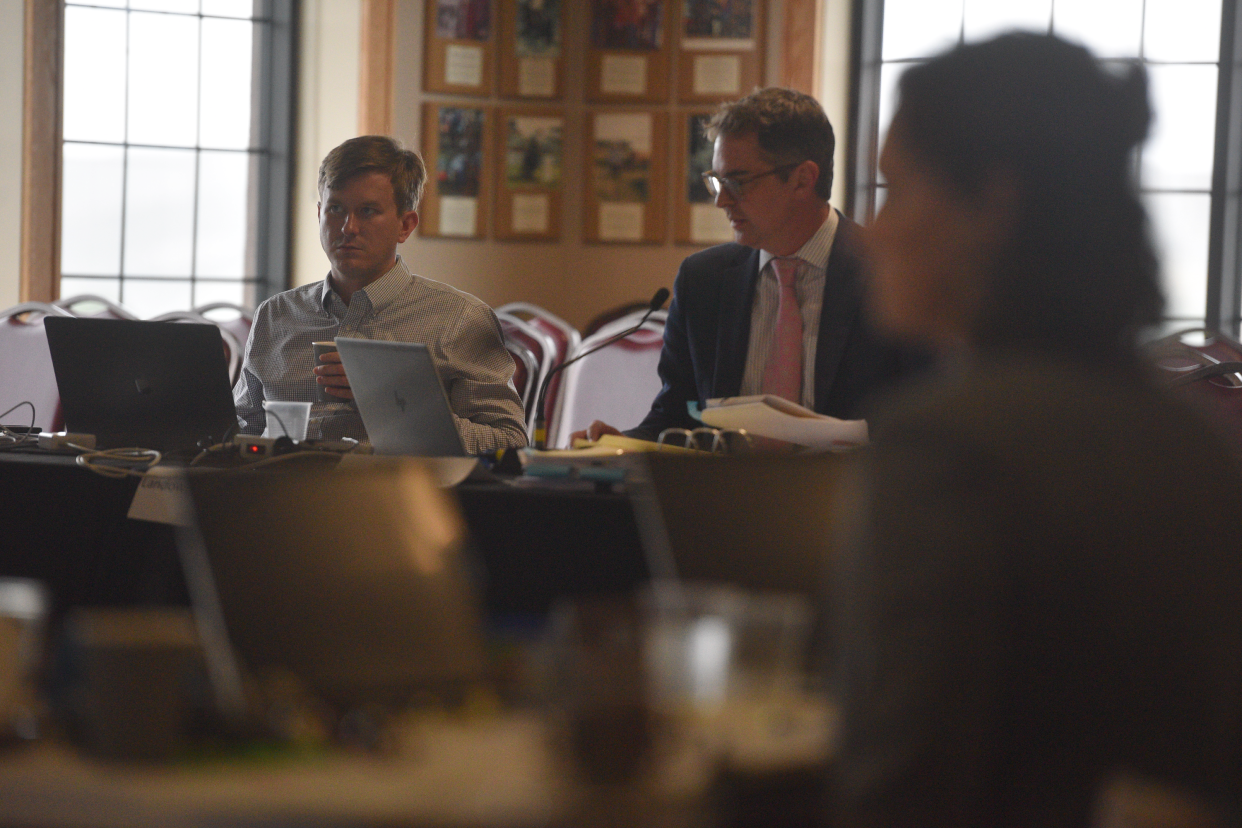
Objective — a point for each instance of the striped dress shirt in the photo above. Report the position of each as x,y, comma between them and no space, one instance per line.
461,333
810,290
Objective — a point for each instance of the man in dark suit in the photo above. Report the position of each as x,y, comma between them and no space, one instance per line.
780,311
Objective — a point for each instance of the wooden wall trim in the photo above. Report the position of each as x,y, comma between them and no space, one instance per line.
376,67
801,27
41,151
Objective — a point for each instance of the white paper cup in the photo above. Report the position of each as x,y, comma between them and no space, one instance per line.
286,418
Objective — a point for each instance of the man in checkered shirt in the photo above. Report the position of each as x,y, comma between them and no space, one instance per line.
369,189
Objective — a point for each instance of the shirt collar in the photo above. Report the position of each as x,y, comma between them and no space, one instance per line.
815,250
379,293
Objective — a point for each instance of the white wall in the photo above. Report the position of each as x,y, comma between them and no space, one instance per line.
12,29
327,115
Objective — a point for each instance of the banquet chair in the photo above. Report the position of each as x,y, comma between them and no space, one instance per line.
615,384
233,318
564,336
233,349
26,366
88,304
525,371
541,345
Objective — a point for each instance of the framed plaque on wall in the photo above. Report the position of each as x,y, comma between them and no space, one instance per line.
460,47
696,218
628,59
530,146
719,49
457,151
625,188
532,43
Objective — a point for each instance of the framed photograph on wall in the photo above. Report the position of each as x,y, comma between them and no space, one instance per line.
625,188
532,43
719,49
530,146
457,152
460,47
628,58
696,218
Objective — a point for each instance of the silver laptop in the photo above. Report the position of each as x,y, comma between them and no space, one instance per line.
400,398
353,581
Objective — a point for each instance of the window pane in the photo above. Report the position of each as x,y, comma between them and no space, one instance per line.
229,8
207,292
223,186
890,75
159,212
920,28
146,299
1110,28
226,84
1180,222
94,75
163,77
1179,153
183,6
1182,30
984,18
107,288
90,225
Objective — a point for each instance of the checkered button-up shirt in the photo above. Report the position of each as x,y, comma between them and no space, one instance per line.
460,332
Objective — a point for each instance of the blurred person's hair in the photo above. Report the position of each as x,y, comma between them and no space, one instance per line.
1078,273
377,153
790,126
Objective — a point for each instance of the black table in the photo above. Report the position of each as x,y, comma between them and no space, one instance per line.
67,527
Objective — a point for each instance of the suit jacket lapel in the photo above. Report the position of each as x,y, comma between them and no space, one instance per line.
842,305
733,333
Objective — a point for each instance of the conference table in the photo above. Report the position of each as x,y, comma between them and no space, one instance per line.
68,528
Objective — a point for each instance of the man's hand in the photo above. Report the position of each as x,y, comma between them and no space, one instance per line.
593,432
331,375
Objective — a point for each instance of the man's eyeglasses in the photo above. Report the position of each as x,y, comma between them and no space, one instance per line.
716,183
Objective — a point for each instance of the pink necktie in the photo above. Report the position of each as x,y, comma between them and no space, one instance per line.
782,376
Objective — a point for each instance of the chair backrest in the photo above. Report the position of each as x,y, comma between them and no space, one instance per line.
540,344
26,366
88,304
564,336
615,384
233,318
525,372
233,349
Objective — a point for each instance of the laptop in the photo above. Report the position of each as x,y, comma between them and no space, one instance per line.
353,581
156,385
760,522
400,398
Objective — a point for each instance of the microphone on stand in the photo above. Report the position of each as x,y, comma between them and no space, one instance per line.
541,423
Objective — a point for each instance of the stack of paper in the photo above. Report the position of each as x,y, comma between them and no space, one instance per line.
778,418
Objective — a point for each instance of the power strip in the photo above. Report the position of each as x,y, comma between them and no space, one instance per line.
254,447
66,439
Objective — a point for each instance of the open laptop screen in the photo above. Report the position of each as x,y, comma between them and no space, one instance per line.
158,385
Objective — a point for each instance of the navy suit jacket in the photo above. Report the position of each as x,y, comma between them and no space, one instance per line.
708,331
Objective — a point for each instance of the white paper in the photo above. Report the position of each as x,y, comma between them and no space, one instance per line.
537,77
457,215
631,127
620,221
463,65
163,496
717,75
623,75
780,419
709,223
718,44
530,213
